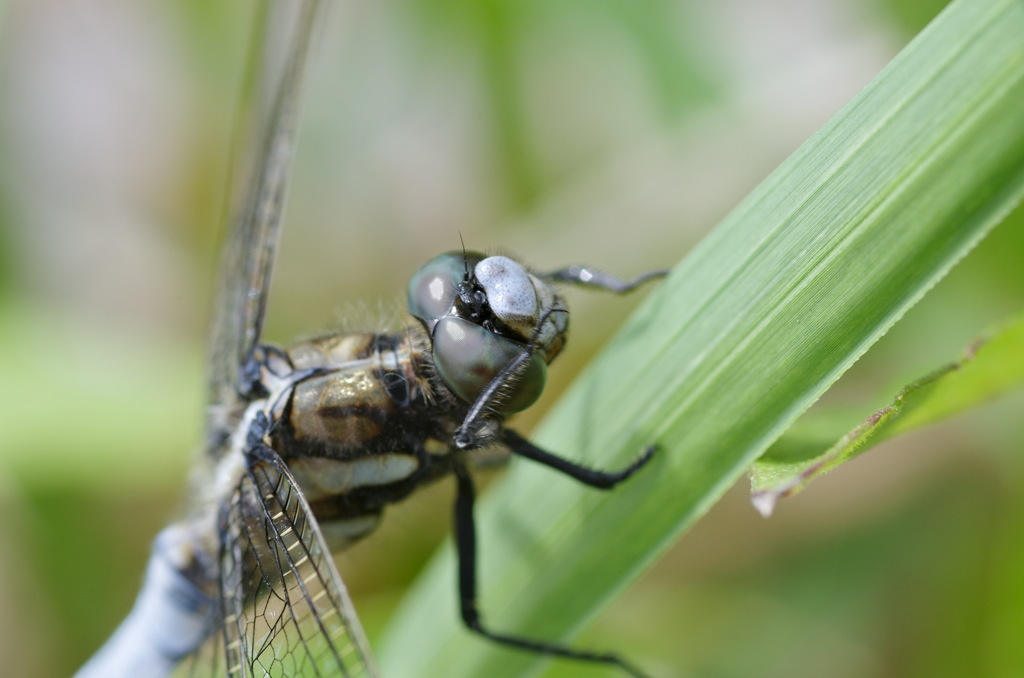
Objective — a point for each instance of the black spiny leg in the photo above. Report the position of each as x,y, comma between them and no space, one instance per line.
465,540
467,435
603,480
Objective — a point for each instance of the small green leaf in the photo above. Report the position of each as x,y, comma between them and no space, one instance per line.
992,366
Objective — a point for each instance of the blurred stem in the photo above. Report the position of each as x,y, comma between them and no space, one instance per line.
507,108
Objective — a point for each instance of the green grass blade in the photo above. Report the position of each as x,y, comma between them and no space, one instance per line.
751,328
992,366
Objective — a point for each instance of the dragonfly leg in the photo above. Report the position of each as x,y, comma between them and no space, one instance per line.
603,480
589,277
263,357
465,539
467,436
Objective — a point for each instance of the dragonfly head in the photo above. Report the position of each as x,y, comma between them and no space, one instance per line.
482,313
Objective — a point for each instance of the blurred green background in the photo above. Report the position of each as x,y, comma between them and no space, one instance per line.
610,132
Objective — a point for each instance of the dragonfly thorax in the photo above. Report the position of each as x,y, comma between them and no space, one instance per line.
362,428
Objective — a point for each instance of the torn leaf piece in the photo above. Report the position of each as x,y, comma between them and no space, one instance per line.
990,367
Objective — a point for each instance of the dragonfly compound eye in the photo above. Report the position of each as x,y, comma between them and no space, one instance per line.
522,305
467,357
433,288
511,294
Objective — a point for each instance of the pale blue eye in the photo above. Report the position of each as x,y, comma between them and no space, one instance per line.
467,357
510,294
432,288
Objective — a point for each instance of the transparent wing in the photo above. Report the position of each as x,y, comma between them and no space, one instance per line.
264,160
284,610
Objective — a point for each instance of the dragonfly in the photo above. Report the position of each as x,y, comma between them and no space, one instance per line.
306,445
